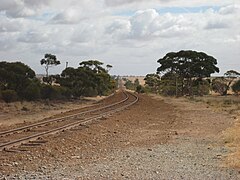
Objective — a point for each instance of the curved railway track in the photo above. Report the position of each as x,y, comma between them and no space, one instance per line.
31,133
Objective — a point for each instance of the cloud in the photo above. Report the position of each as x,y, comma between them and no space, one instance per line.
141,22
34,37
161,3
149,24
10,25
69,16
120,2
22,8
123,33
230,9
86,33
216,24
119,29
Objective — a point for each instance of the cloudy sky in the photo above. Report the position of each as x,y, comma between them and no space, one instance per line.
131,35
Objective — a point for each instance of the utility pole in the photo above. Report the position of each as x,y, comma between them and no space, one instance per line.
66,65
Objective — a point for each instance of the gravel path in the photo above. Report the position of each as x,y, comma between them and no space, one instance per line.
156,139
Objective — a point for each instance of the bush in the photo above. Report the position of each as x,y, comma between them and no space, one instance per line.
9,96
55,92
201,87
91,92
236,87
140,89
32,92
219,87
168,90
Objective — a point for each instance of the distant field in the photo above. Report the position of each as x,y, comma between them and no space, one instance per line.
132,78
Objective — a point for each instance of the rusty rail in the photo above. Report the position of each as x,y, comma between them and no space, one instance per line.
68,126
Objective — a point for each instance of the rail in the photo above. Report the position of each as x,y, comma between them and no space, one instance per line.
20,141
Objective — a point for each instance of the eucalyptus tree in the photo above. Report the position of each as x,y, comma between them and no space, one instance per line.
49,61
187,66
89,79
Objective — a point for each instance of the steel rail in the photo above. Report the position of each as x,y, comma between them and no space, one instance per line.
61,118
65,127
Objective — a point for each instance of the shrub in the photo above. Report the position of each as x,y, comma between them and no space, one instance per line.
9,96
236,87
32,92
201,87
140,89
220,87
91,92
168,90
55,92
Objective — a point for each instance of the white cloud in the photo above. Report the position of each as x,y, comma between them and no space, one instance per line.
161,3
10,25
141,22
231,9
128,34
22,8
69,16
34,37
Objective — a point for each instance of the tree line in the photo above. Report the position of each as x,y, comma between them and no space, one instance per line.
19,82
189,73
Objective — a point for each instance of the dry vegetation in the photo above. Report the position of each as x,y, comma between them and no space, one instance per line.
24,112
133,78
231,105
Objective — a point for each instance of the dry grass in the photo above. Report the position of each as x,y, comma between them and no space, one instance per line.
230,104
20,112
231,137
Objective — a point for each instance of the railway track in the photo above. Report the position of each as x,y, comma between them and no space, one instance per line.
31,134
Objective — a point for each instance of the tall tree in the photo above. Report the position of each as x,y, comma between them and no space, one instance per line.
48,61
109,67
187,65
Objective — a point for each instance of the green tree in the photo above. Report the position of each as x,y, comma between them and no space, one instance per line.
89,79
236,87
109,67
129,84
169,85
9,95
32,91
153,81
49,61
140,89
136,82
94,65
187,65
230,76
16,76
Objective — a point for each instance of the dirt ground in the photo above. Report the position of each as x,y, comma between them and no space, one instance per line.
20,112
158,138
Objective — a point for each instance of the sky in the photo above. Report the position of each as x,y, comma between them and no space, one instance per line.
130,35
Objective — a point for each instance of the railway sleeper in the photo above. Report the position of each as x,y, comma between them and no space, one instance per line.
39,141
30,144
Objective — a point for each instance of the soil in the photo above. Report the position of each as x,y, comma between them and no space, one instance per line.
158,138
24,112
